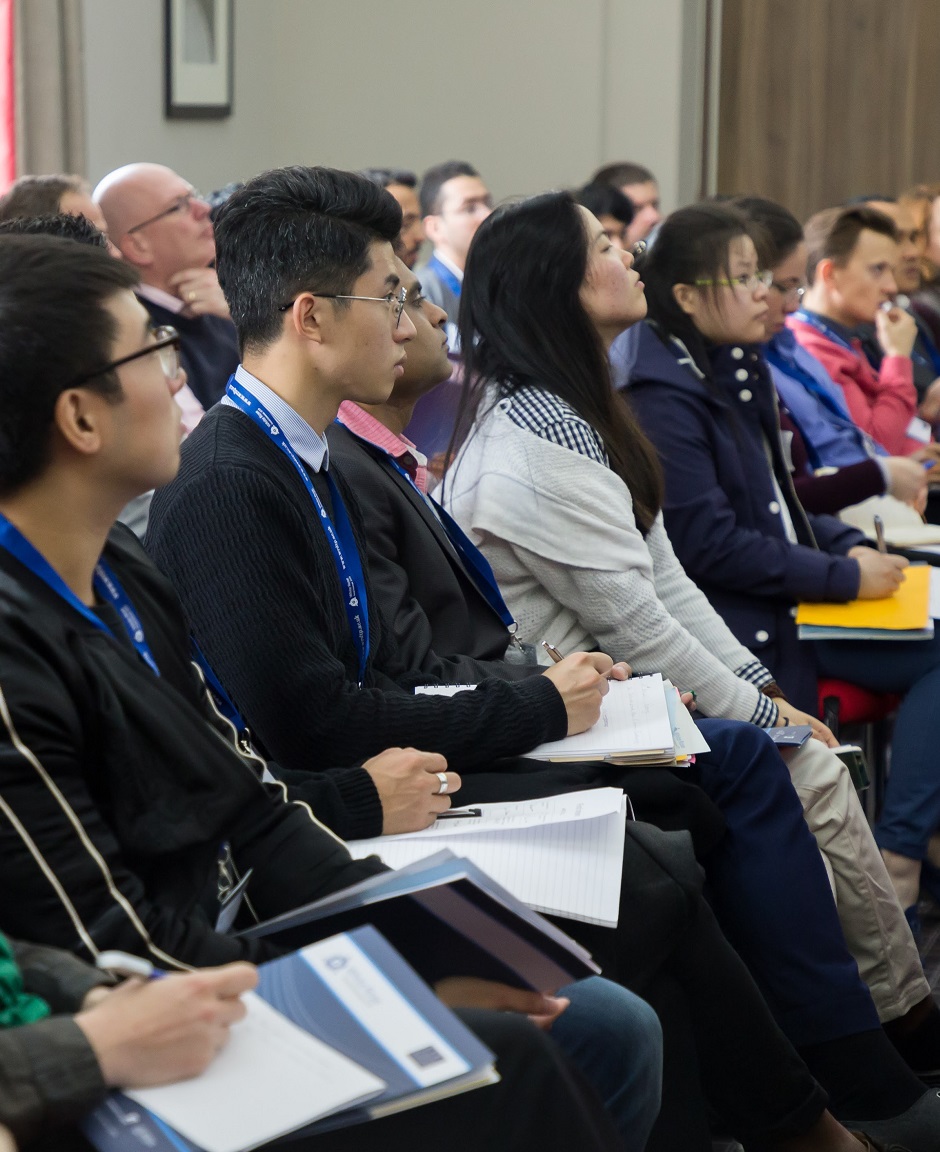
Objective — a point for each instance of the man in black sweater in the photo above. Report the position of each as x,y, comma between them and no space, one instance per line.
254,531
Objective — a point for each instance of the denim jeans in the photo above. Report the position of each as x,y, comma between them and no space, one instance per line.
614,1039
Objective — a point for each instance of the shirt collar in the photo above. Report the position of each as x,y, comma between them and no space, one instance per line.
847,334
159,297
448,265
364,425
309,445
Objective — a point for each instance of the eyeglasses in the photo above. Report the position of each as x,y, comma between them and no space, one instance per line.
180,204
394,300
167,347
750,282
794,292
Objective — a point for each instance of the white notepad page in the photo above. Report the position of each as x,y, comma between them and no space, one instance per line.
568,868
634,718
271,1078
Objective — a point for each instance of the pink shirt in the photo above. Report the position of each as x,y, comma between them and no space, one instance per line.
366,427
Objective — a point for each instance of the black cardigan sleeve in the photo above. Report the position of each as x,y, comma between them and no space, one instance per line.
260,591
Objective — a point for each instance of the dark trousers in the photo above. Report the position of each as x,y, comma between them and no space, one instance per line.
722,1047
911,812
768,886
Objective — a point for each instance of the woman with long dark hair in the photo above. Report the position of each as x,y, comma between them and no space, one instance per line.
562,491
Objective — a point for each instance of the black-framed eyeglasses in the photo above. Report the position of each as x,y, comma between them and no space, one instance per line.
180,204
166,345
394,300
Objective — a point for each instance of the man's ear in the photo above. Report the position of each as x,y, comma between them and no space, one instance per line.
309,317
825,272
687,297
78,419
135,249
433,226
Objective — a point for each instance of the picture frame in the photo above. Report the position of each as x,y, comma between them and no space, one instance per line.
198,51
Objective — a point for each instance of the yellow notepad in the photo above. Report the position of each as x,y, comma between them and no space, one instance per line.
907,609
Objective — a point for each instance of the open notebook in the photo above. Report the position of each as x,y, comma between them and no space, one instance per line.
561,854
639,724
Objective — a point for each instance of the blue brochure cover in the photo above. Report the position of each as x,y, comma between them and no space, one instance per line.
355,993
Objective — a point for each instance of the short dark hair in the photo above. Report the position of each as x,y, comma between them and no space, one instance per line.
38,195
60,224
780,231
295,230
606,200
621,173
833,233
434,180
385,176
50,286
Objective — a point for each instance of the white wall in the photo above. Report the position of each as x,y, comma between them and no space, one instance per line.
535,93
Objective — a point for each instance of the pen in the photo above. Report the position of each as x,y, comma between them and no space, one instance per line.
552,651
460,815
880,534
125,965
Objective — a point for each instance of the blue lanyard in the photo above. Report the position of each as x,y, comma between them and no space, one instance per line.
222,699
340,537
106,585
820,325
446,275
477,566
807,379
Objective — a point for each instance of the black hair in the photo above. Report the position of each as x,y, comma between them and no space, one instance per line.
54,328
385,176
606,200
39,195
60,224
692,245
780,230
295,230
522,323
621,173
434,180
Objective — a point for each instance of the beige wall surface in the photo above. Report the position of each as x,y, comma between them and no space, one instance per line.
535,93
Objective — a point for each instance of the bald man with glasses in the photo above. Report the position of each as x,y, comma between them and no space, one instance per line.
161,226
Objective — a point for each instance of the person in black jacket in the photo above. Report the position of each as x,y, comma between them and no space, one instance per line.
125,813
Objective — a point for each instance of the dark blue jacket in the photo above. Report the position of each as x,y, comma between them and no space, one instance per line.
722,511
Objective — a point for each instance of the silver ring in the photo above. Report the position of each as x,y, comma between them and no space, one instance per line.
442,776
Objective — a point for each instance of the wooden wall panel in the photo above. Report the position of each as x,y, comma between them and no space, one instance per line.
825,99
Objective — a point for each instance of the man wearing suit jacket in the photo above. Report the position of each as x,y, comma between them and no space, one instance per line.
446,615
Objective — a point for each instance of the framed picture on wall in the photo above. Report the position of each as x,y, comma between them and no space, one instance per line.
199,58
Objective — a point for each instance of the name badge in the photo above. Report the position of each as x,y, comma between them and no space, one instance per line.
231,905
920,430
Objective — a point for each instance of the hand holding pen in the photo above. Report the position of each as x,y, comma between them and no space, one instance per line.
582,680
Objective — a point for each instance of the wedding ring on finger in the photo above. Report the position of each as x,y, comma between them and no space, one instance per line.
442,776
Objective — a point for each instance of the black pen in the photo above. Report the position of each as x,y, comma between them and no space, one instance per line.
460,815
880,534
